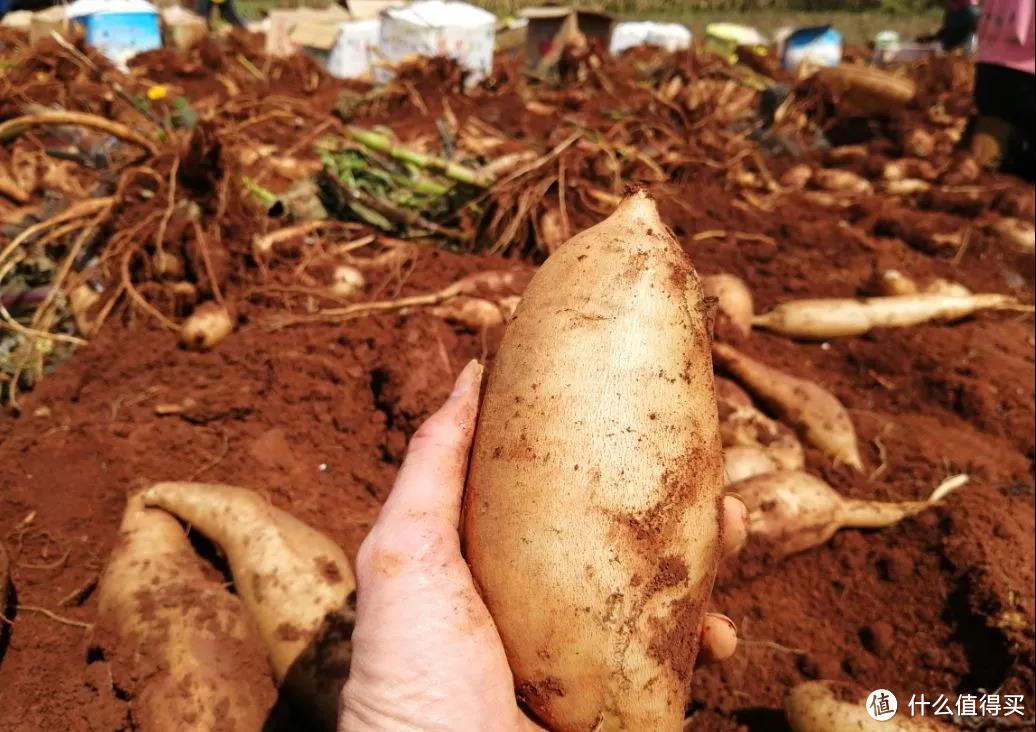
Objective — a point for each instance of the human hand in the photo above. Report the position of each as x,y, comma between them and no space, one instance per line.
426,654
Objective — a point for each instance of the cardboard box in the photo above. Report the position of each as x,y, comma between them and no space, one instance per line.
287,29
44,22
458,30
669,36
17,19
181,28
551,26
371,9
511,35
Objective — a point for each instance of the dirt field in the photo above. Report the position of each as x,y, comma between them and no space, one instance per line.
317,415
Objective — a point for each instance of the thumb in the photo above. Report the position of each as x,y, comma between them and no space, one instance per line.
430,484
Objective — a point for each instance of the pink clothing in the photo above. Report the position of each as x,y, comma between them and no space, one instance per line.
1005,34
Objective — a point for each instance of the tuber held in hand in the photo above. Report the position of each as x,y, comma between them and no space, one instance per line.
820,319
178,643
591,518
822,706
791,511
811,408
294,581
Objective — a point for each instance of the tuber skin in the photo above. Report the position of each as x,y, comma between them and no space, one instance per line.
178,643
295,582
1015,234
820,319
730,395
791,511
813,410
598,441
893,282
209,324
816,706
746,426
743,462
347,281
472,312
734,301
841,181
797,177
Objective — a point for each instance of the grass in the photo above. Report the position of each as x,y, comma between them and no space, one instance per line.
856,26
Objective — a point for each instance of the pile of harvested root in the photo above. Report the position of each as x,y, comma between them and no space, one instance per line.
154,195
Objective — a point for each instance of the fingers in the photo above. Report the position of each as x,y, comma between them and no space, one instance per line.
718,639
430,483
735,525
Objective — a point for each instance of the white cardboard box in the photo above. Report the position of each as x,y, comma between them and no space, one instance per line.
436,28
354,49
670,36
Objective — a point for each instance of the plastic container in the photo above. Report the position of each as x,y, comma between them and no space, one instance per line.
724,39
820,46
670,36
120,29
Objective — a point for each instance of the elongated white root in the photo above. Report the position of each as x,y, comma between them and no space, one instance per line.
294,581
813,410
820,319
177,642
819,706
791,511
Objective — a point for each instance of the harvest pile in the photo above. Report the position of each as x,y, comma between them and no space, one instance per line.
330,255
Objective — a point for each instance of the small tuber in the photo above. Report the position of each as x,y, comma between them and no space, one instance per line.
734,302
347,281
841,181
791,511
1016,234
178,644
209,324
742,462
472,312
294,581
811,408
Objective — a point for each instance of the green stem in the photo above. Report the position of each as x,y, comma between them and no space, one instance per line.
265,196
457,172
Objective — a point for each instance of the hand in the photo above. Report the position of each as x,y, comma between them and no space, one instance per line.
426,654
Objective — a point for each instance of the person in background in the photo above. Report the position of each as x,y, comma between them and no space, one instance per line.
959,22
227,12
1005,88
